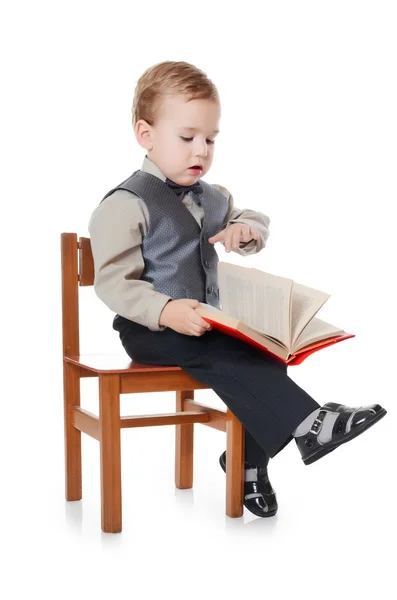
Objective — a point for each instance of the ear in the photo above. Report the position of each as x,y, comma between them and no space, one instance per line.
143,134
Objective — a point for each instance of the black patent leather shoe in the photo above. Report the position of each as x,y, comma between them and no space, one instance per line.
351,421
259,496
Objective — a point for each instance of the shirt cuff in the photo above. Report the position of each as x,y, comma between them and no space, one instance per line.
154,310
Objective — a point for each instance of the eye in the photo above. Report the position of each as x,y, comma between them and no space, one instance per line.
185,139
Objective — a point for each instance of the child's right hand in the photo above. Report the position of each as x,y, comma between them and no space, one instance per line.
181,317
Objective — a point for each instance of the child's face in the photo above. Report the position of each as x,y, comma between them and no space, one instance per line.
166,147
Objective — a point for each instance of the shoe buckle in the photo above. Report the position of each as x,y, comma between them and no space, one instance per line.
316,426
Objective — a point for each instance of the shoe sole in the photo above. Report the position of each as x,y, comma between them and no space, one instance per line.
330,446
271,513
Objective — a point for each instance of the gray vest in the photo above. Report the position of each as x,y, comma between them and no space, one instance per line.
179,260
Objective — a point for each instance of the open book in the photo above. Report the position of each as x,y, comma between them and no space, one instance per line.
273,313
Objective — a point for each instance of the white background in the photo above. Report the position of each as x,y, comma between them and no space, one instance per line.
308,136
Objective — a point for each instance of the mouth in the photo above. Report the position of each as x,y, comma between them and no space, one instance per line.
197,168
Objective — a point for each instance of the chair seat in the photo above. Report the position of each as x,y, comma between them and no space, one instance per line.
114,363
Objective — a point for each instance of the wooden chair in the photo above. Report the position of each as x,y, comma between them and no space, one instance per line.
120,375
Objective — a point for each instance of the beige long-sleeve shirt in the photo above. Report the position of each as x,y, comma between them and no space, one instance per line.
117,227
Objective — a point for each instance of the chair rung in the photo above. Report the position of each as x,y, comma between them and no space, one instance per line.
85,421
217,418
88,423
177,418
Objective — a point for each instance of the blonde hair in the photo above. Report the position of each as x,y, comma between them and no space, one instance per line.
169,77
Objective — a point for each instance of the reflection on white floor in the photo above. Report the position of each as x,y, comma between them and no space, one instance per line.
336,513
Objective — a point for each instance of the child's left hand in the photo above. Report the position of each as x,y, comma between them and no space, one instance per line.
235,234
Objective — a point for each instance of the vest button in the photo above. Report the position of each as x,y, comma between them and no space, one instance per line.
209,290
207,264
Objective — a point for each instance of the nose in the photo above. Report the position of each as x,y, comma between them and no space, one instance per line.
201,149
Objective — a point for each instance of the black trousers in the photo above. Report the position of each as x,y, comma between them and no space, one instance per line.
255,387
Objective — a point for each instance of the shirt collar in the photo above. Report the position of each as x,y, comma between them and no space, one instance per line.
150,167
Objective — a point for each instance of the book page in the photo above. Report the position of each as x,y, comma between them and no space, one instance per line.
210,307
316,330
232,326
306,302
258,299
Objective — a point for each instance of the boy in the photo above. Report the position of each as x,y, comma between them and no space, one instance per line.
152,239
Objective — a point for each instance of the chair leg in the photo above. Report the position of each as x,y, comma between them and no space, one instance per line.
183,446
234,466
109,423
71,394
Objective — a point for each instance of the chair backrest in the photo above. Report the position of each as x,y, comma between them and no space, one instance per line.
77,265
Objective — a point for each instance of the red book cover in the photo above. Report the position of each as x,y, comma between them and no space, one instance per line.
296,359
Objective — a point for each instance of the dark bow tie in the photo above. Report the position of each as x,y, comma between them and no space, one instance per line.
178,189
